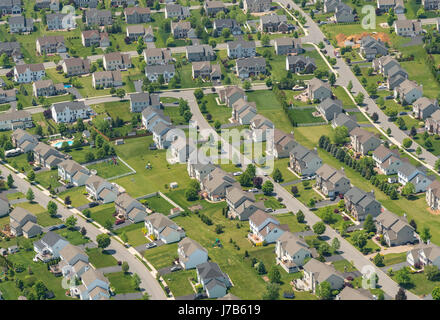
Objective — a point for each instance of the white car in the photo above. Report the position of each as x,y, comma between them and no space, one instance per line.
253,190
238,173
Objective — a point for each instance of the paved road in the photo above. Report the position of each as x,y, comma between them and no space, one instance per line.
314,35
148,282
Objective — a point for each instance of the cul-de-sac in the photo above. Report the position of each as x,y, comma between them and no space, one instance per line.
219,150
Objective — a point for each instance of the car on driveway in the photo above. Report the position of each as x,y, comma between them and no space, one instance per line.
237,173
93,204
253,190
175,268
151,245
268,210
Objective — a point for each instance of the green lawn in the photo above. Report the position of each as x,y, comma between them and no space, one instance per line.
33,207
394,258
174,114
15,196
134,234
73,236
101,259
343,266
76,196
420,285
103,213
115,109
163,256
220,113
48,179
305,115
20,163
269,201
159,204
108,169
121,282
179,282
290,220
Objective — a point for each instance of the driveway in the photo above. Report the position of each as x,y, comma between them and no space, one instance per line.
128,296
112,269
396,266
138,85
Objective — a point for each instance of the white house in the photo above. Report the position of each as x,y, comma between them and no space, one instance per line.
191,253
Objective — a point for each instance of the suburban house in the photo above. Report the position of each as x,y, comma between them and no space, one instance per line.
265,228
23,223
318,90
386,5
4,205
287,46
25,73
431,4
408,91
283,144
20,24
149,34
15,120
76,66
72,254
432,124
156,56
275,23
90,38
49,247
107,79
191,253
344,120
52,5
95,17
387,161
100,189
344,13
50,44
315,272
181,150
300,64
363,141
424,255
86,3
433,195
231,94
408,28
396,230
303,161
231,24
95,286
70,111
142,100
162,135
214,281
250,67
202,52
130,208
254,6
135,15
136,31
199,170
241,49
152,116
384,63
167,71
206,70
116,61
215,184
8,95
72,172
12,49
181,29
23,140
59,21
241,204
10,7
329,108
160,227
395,76
176,11
370,48
331,182
291,252
260,126
212,7
360,203
46,88
424,107
408,173
47,156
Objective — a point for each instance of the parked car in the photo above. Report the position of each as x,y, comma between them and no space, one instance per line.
253,190
175,268
151,245
119,221
93,204
269,210
237,173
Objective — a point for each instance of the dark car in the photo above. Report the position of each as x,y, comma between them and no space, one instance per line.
93,204
175,268
119,221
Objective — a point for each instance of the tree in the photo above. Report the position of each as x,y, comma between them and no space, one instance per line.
332,79
425,235
103,240
87,213
277,176
374,116
300,216
407,142
335,245
217,125
324,249
265,40
267,188
257,182
31,175
359,239
402,276
418,151
350,86
437,165
10,181
311,203
324,290
359,98
136,280
67,201
83,231
30,195
198,93
339,135
272,290
247,85
378,260
274,275
408,189
52,208
125,267
40,290
261,269
319,228
245,180
369,224
71,222
432,272
401,295
436,293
